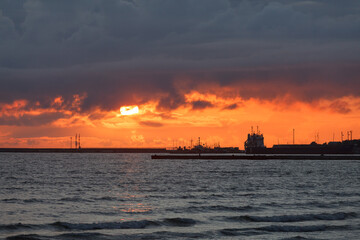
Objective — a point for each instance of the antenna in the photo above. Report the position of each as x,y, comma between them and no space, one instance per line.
317,137
76,140
79,141
294,136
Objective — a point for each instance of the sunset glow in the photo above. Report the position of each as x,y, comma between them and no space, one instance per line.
129,110
215,118
145,84
162,119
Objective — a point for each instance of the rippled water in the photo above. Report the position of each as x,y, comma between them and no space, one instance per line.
130,196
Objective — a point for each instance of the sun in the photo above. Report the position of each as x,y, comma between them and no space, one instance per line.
129,110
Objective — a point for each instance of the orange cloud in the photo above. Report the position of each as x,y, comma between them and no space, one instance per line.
227,120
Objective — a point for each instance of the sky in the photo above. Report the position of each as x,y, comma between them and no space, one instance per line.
193,68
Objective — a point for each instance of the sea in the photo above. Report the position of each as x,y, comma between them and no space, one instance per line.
130,196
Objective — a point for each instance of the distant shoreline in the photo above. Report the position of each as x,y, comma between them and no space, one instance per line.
168,154
84,150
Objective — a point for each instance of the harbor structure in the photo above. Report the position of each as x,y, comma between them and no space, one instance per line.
255,145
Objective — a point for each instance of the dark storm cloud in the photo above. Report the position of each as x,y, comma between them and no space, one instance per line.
31,120
199,105
231,107
118,52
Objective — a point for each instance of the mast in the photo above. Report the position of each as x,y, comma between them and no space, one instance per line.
293,135
75,140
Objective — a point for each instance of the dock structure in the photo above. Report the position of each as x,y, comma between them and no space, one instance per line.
257,157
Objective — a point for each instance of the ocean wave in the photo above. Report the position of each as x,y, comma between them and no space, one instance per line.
296,218
82,235
74,199
16,226
33,200
66,226
298,238
222,208
318,204
239,232
179,222
325,204
10,200
107,198
101,236
281,228
104,225
66,236
25,237
17,200
310,228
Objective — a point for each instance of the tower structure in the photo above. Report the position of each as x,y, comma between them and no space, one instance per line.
76,140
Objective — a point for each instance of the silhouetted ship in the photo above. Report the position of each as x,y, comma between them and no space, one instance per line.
255,145
203,148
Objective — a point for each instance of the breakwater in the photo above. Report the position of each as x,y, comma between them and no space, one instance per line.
258,157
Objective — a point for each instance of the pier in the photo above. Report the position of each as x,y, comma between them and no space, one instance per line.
258,157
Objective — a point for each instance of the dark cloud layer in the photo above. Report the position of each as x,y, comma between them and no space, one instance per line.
231,107
118,52
199,105
31,120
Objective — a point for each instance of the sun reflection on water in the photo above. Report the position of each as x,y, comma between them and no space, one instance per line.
133,208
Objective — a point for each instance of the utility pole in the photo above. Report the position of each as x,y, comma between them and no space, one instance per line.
318,137
293,136
75,140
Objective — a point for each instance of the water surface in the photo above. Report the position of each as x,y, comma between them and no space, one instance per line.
130,196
